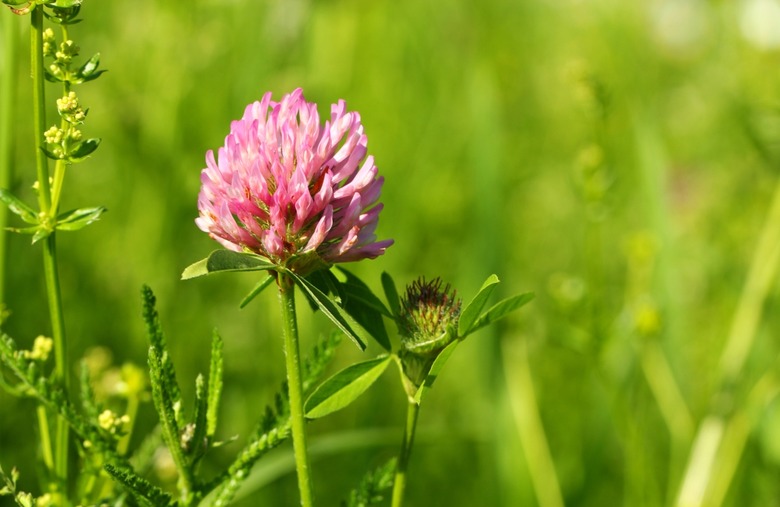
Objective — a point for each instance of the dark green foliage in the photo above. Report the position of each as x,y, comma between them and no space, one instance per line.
141,489
372,487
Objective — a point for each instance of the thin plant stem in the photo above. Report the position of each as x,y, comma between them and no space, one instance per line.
708,444
399,484
295,386
525,408
7,103
51,273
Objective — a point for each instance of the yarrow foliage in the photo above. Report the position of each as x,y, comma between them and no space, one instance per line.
298,193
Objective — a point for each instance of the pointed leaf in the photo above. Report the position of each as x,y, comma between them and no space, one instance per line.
51,154
40,234
82,150
502,309
18,207
344,387
262,284
333,311
471,312
356,289
227,260
79,218
90,66
435,370
91,77
365,308
391,294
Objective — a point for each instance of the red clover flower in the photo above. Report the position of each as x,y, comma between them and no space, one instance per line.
300,194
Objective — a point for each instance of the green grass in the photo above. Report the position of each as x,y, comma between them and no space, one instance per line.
477,114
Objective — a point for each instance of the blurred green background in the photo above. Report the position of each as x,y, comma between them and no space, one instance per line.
616,158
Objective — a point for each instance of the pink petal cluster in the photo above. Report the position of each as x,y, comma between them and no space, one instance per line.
290,189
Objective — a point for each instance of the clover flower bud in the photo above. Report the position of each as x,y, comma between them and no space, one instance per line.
429,315
300,194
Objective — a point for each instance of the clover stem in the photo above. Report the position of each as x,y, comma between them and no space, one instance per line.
399,484
295,386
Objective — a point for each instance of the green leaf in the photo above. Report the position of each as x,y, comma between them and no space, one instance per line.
215,385
90,66
391,294
435,370
365,308
333,311
262,284
78,219
472,310
140,487
14,3
344,387
40,233
227,260
502,309
82,150
18,207
356,289
51,154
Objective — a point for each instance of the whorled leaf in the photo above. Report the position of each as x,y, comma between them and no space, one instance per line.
79,218
344,387
83,150
18,207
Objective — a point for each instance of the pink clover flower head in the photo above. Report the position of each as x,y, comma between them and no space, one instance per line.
301,194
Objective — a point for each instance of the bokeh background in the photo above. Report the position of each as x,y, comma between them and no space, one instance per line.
616,158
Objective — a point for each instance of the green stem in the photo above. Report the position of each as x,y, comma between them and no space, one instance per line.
399,484
7,102
49,245
295,386
39,108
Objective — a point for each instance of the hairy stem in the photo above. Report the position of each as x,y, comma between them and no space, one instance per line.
399,484
295,386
